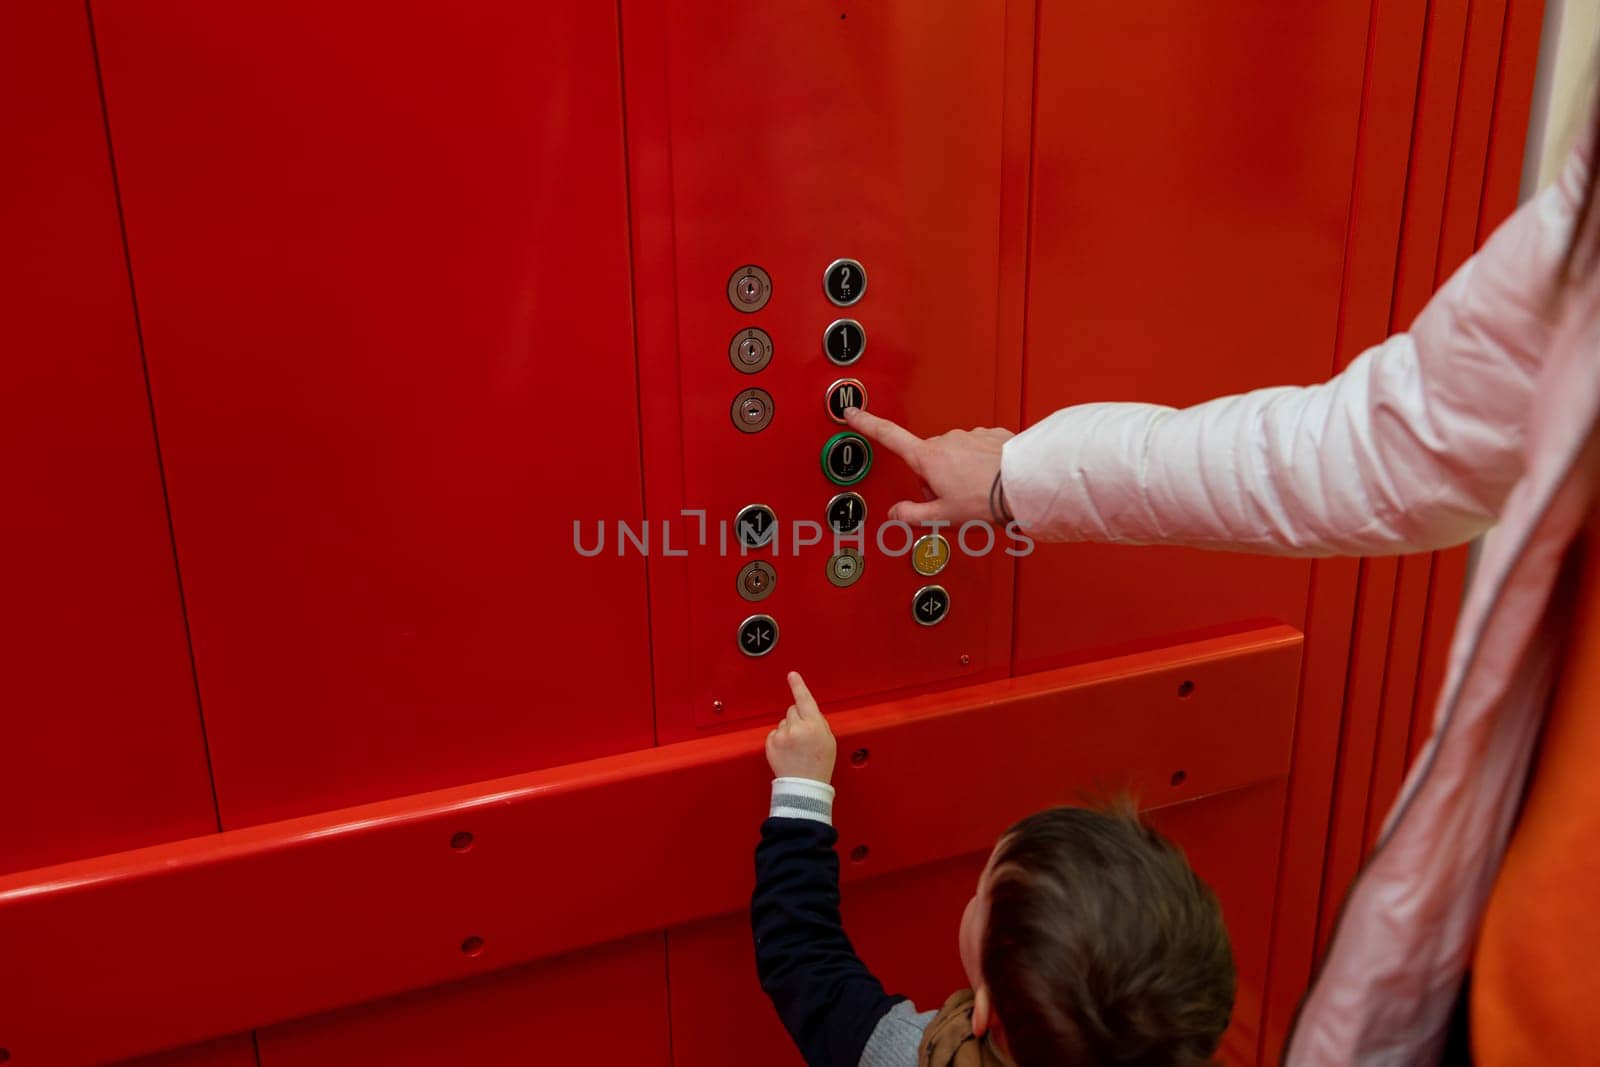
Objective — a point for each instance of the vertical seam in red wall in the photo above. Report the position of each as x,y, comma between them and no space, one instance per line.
150,401
633,334
666,976
1484,206
1027,284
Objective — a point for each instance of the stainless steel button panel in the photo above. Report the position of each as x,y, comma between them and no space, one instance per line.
757,580
750,350
844,281
752,410
749,289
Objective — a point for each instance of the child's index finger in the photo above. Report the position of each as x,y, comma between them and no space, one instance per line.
802,696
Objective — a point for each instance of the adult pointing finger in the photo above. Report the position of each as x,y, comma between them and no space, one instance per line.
961,469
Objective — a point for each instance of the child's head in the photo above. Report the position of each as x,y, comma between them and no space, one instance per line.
1090,941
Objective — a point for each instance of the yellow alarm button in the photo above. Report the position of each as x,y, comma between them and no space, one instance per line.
930,554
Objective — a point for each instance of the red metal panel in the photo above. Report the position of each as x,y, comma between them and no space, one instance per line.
237,1051
98,724
881,136
604,1006
274,922
1188,233
904,926
382,261
1394,48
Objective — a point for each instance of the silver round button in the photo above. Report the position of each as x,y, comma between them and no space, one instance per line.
757,580
750,350
752,410
749,288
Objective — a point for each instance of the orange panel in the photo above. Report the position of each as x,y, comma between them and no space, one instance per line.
382,259
100,733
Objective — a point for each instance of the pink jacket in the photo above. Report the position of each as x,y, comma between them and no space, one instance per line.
1483,414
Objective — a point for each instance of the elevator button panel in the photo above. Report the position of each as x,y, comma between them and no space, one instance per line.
750,350
749,289
846,458
844,341
844,394
844,282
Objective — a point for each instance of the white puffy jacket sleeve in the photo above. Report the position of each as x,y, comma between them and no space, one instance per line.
1414,446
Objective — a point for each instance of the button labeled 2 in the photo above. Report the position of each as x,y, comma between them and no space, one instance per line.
844,281
846,458
845,393
758,635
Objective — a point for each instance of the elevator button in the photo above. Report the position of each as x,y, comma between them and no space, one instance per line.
758,635
846,513
752,410
845,393
750,350
749,289
757,580
844,282
846,458
755,525
845,567
930,605
929,555
844,340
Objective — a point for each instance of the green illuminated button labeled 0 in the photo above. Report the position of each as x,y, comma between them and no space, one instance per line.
846,458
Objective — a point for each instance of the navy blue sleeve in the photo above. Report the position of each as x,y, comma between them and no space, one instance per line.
828,1000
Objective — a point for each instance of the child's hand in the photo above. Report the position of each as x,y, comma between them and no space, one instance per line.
802,746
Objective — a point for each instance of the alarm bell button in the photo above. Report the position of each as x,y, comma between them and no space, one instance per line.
930,554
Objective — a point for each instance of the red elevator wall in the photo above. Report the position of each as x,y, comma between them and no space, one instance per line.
381,254
99,733
1187,241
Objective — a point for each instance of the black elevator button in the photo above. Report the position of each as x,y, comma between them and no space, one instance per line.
930,605
755,525
845,393
844,340
846,458
844,282
757,635
846,512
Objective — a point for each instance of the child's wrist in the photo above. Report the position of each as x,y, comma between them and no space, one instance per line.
801,798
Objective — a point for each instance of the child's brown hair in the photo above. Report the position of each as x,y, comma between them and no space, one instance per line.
1102,946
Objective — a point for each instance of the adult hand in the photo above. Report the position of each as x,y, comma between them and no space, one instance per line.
958,468
802,746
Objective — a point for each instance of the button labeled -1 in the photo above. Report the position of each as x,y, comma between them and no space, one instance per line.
846,458
845,393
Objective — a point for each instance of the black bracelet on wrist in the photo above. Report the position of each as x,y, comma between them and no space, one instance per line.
997,502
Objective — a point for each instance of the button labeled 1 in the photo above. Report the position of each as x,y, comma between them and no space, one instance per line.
844,281
758,635
846,458
755,525
844,340
930,605
845,393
